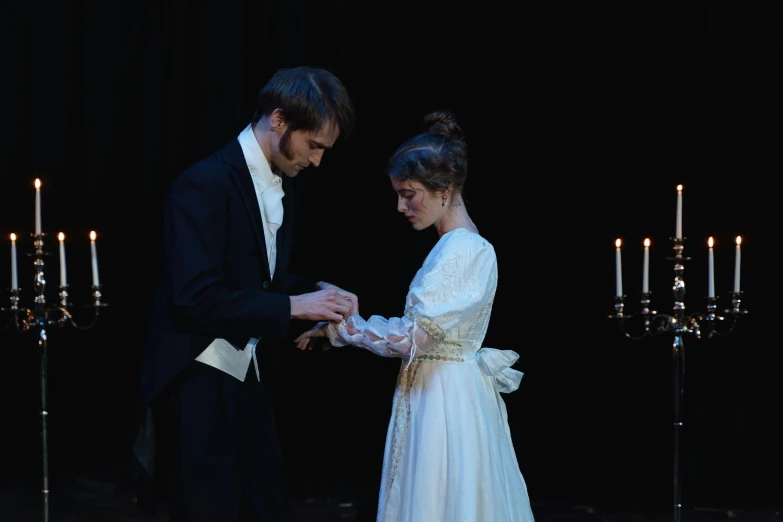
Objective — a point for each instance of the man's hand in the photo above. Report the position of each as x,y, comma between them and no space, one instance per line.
322,285
323,305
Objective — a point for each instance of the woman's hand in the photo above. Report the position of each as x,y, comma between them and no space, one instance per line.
351,329
307,340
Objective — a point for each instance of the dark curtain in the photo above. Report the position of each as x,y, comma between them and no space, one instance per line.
581,118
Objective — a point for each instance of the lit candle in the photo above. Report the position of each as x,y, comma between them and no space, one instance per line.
37,207
619,271
711,269
737,266
95,281
678,233
63,279
646,267
14,275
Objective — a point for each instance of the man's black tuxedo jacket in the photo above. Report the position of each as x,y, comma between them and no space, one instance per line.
215,278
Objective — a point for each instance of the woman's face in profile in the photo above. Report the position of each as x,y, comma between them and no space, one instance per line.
421,207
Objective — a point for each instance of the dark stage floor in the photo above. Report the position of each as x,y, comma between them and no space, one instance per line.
79,499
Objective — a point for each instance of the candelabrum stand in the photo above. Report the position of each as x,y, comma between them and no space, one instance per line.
40,318
700,325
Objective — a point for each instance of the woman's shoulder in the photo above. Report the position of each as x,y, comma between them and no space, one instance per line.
464,245
464,238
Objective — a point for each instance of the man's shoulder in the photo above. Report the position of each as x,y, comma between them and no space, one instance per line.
211,169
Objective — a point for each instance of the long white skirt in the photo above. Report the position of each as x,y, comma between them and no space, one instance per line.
449,455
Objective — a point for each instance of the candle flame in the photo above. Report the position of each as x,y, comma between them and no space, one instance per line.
13,237
647,242
93,235
37,183
739,240
61,236
710,242
617,243
679,188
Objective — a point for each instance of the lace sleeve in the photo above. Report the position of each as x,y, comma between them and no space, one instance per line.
394,337
451,283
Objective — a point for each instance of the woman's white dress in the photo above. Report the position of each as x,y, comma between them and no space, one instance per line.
449,455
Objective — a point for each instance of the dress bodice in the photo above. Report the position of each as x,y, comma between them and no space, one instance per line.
451,295
447,308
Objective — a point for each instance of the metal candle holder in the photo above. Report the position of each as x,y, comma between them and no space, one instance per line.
40,317
701,325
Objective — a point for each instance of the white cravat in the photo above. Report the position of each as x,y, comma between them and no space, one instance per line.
269,193
271,203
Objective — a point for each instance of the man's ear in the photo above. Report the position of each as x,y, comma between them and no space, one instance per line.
277,120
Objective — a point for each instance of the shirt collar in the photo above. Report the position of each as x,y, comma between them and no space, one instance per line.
257,163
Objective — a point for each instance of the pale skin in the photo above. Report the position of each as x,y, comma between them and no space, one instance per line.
289,156
445,210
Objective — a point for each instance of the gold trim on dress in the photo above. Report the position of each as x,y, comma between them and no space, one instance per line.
402,417
445,350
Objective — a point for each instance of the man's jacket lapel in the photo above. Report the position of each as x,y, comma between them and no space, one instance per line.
240,174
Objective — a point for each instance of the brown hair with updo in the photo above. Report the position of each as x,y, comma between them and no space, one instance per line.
437,158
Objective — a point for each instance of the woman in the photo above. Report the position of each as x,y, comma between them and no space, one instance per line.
449,455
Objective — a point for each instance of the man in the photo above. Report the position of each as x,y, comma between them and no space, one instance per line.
224,305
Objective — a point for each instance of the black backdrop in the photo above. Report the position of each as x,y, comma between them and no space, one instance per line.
581,118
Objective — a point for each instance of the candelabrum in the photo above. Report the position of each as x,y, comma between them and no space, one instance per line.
701,325
41,317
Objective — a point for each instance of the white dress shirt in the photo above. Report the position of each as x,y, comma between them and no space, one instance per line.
220,353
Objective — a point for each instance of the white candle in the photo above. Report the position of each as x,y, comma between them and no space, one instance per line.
63,279
678,233
711,269
737,266
646,267
619,269
37,207
14,275
94,255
